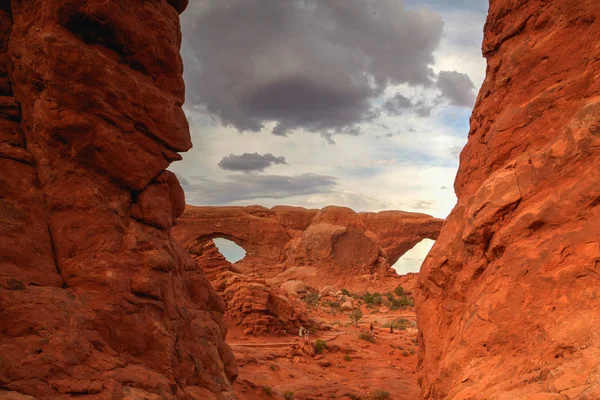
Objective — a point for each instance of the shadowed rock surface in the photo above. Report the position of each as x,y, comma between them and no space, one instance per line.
508,297
333,246
96,298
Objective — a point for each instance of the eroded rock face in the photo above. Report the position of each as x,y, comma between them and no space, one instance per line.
508,298
250,302
333,246
95,295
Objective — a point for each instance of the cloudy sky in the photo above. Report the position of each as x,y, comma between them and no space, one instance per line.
356,103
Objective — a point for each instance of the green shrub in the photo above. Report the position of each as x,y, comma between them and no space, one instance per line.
320,345
352,396
401,302
395,304
389,296
311,298
412,351
347,358
355,316
346,292
399,291
405,353
381,395
398,323
288,395
372,299
407,301
367,336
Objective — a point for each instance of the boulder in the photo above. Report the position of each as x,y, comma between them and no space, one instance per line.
297,287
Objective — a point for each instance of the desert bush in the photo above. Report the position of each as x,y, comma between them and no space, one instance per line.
311,298
401,302
346,292
288,395
405,353
389,296
367,336
347,358
407,301
372,299
355,316
395,304
398,323
320,345
399,291
381,395
333,304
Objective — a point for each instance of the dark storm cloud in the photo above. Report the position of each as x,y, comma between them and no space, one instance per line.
472,5
457,88
399,104
203,191
307,64
250,162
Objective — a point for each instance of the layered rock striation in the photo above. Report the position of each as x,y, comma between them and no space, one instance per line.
96,298
508,298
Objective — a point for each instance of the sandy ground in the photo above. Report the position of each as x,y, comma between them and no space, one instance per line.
350,368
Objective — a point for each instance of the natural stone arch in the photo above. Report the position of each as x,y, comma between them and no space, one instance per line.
229,250
417,253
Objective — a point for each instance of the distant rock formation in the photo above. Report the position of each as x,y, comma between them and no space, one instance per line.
96,298
508,298
333,246
250,302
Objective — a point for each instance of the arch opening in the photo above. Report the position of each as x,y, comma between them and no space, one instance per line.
229,249
412,260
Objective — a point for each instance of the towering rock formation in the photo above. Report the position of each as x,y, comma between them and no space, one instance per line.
96,298
333,246
509,296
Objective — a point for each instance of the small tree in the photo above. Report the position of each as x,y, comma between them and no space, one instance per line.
288,395
355,316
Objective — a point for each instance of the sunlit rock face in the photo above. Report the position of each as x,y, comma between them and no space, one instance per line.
508,298
96,298
334,246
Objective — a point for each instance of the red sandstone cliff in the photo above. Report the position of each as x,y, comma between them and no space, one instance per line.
508,298
333,246
96,298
